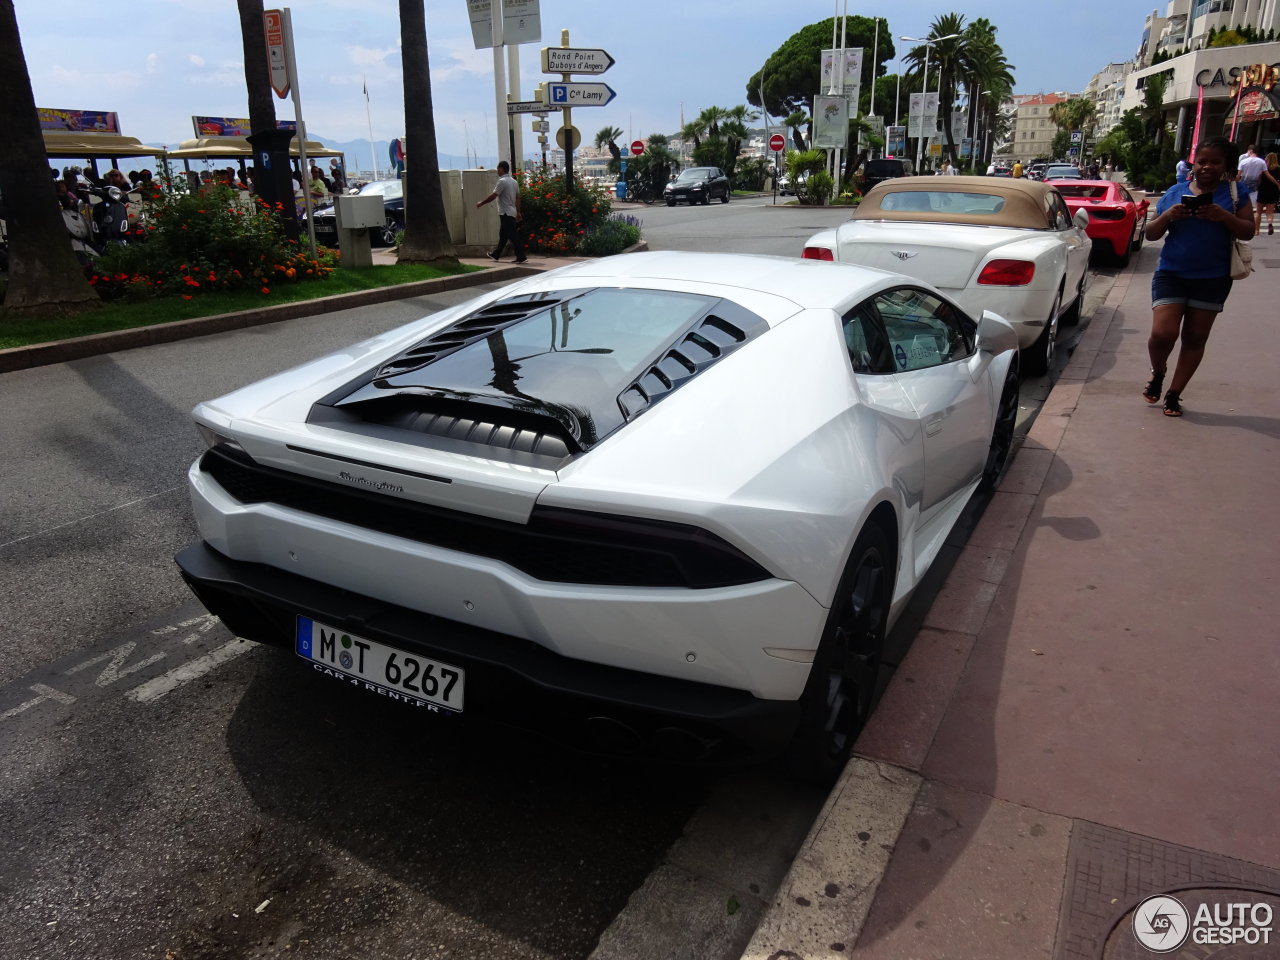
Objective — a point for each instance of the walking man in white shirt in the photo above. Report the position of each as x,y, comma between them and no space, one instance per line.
1252,167
507,192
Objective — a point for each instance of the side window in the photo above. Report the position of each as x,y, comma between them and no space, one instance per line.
863,336
1061,213
1125,195
923,330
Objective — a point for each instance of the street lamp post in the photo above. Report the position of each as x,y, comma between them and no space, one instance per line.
928,45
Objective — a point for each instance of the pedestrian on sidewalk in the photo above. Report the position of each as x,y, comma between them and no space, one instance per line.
1268,195
507,192
1192,280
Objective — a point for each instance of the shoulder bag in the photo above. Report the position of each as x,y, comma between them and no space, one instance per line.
1241,252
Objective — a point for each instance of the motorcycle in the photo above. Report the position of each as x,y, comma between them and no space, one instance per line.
110,217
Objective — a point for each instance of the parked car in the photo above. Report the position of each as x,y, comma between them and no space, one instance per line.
669,500
1036,171
882,169
392,193
788,187
1062,171
1117,222
1006,245
697,185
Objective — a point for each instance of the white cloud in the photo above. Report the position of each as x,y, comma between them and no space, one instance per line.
122,79
195,59
225,73
369,57
153,63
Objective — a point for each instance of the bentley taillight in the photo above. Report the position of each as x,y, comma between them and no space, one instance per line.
1007,273
817,253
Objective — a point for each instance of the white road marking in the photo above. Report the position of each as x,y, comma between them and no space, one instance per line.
168,682
45,693
112,672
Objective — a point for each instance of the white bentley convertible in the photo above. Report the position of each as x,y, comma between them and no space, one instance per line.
991,243
665,501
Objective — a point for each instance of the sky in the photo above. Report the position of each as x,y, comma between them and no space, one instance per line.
158,62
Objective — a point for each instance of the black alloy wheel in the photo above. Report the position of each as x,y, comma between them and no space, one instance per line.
1038,358
1141,235
841,689
387,235
725,198
706,197
1002,434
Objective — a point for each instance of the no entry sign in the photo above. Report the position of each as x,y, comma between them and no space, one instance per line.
637,147
776,142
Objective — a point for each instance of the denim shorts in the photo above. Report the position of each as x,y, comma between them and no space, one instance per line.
1204,293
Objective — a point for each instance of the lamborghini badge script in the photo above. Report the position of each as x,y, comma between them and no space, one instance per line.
903,254
371,484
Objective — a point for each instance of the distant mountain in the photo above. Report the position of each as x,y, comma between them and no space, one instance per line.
356,154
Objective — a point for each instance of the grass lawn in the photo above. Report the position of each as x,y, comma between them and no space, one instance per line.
126,316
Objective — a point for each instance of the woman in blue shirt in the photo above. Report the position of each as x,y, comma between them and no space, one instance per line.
1193,278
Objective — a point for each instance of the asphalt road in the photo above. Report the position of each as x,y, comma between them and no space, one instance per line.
171,792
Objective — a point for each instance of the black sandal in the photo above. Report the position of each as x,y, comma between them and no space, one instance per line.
1151,393
1173,404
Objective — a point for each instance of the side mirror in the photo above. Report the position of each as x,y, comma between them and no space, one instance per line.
1081,219
995,335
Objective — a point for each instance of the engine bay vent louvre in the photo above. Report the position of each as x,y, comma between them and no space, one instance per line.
539,437
711,340
476,326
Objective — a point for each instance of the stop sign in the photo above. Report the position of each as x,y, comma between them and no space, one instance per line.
776,142
637,147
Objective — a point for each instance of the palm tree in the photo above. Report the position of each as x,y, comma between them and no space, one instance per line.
44,276
711,118
609,136
426,232
987,77
795,121
951,55
273,184
694,131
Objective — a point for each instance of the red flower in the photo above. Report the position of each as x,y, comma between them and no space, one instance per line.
186,296
266,290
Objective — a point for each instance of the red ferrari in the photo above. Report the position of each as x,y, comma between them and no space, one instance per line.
1116,220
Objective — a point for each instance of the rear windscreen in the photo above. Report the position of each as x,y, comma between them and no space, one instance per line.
1083,192
942,201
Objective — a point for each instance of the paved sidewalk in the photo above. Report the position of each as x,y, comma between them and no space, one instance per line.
1090,714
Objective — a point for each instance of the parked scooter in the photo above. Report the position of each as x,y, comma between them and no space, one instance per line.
110,217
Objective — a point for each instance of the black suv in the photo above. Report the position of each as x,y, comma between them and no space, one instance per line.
697,185
878,171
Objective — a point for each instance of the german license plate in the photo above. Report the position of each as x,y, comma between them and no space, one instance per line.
380,668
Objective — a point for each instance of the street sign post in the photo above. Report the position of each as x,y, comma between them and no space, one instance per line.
570,60
1077,136
568,138
579,94
527,106
777,142
273,25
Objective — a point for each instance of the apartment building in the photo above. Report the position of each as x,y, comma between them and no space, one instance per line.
1033,131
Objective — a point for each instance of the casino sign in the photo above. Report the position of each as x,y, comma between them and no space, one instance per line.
1255,92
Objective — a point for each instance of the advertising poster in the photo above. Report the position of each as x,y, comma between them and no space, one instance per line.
852,82
232,126
922,120
895,140
521,22
78,121
830,122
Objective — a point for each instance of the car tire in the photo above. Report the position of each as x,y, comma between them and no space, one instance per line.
1142,235
841,688
1072,315
1122,260
387,234
725,198
1037,359
1002,433
671,203
706,199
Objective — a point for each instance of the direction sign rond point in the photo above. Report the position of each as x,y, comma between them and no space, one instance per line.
637,147
777,142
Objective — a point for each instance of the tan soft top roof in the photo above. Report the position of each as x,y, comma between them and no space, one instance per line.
1024,201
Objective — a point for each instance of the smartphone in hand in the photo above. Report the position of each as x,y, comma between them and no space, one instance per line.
1194,202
